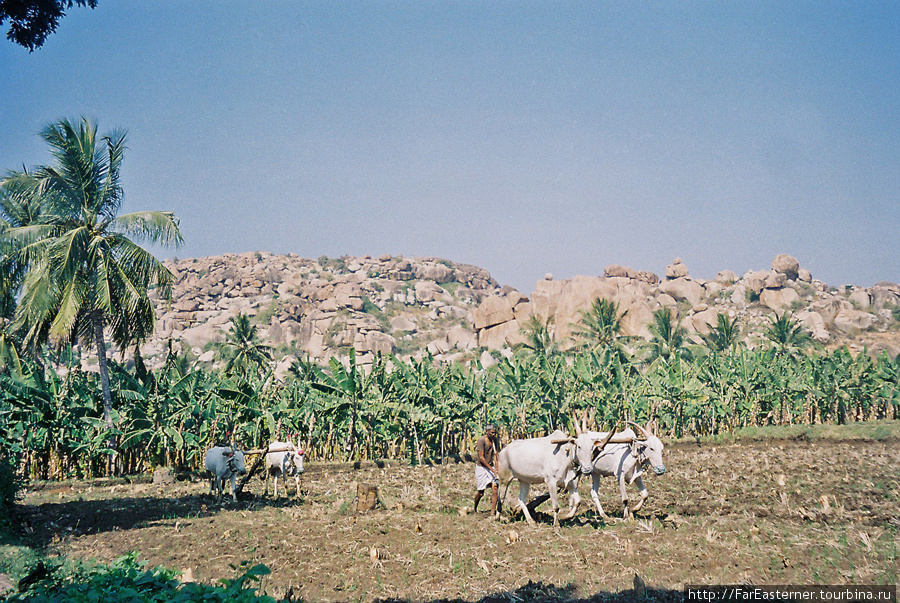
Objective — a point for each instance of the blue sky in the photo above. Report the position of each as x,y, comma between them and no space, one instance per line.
523,137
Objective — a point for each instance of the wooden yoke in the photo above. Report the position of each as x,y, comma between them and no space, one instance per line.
609,436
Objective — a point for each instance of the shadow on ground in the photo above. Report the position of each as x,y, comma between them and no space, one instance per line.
538,592
46,523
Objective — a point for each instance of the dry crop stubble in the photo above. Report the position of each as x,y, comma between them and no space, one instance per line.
736,512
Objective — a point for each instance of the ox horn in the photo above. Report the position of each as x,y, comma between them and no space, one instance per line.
578,427
643,430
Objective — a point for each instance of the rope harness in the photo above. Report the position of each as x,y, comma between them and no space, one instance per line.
640,455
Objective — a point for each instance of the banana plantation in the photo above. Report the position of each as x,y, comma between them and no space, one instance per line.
52,416
72,276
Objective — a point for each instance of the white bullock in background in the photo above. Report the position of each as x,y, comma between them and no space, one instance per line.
626,457
225,463
285,462
552,460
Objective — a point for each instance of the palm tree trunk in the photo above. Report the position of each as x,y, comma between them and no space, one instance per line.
104,386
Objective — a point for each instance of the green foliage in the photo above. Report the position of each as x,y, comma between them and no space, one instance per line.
52,422
538,337
407,345
600,325
370,308
787,334
11,483
335,264
452,287
127,579
31,21
724,335
806,290
268,312
247,354
851,432
669,339
82,274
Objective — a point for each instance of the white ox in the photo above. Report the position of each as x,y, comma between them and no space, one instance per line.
225,463
550,460
286,461
625,457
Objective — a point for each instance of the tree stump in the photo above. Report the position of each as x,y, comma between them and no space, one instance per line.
366,497
163,476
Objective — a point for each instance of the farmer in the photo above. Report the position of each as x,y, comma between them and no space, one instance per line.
486,466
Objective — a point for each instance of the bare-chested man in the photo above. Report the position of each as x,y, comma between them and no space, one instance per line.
486,467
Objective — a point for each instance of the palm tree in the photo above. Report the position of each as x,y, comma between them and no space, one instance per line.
600,325
724,335
538,337
84,274
668,337
19,207
787,334
249,355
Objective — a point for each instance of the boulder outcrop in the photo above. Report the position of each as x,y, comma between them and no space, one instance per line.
676,269
787,265
319,308
829,316
411,306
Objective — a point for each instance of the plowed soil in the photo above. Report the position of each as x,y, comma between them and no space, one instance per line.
788,512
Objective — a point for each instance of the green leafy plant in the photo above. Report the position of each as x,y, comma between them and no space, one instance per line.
724,335
84,275
11,483
128,580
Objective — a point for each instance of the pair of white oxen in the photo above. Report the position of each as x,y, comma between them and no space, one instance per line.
559,460
225,463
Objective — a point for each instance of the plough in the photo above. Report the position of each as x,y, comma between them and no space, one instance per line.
261,452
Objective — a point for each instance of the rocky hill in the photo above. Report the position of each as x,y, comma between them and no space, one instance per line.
319,308
861,318
456,312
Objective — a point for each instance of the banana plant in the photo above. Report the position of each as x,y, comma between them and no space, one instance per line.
511,391
347,384
888,379
678,392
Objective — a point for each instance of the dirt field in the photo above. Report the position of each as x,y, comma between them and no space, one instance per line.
789,512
